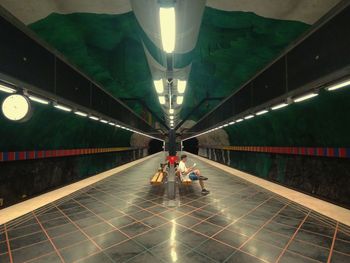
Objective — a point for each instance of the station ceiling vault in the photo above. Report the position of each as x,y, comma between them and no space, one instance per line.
219,45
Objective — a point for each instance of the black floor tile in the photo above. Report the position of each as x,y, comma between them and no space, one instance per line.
110,239
27,240
135,229
219,220
342,246
195,257
124,251
310,251
145,257
201,214
215,250
122,221
154,221
31,252
243,229
188,221
18,232
80,250
68,239
3,247
141,215
207,228
340,258
97,258
51,258
272,238
170,250
262,250
61,230
231,238
315,239
4,258
98,229
191,239
241,257
289,257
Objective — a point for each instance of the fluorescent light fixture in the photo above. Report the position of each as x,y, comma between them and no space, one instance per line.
232,122
220,127
239,120
339,85
181,86
93,118
103,121
158,84
118,126
161,100
61,107
262,112
279,106
111,123
6,89
249,117
171,117
167,28
179,100
80,113
305,97
226,125
39,100
171,111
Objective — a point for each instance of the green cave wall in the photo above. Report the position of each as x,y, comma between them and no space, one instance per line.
231,48
50,128
322,121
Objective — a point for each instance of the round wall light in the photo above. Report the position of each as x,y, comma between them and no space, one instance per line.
16,108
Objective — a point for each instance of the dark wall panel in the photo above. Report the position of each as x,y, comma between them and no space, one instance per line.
322,177
20,180
23,58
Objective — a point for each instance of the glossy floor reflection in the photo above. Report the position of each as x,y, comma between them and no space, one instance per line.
124,219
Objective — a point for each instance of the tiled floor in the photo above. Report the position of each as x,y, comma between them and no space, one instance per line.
124,219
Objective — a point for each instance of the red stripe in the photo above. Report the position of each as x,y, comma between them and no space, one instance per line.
330,152
21,155
342,152
11,156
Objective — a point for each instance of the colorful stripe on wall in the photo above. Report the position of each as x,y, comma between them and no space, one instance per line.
310,151
31,155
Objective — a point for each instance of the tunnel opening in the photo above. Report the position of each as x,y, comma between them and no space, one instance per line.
191,146
155,146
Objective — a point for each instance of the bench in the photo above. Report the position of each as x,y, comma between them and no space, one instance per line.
158,178
184,182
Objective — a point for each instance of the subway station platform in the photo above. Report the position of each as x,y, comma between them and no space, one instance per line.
122,218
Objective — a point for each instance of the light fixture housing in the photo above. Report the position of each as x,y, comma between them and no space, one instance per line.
103,121
80,113
279,106
167,28
239,120
179,100
161,100
249,117
93,118
158,84
261,112
39,100
6,89
181,86
62,107
171,111
305,97
339,85
171,117
16,108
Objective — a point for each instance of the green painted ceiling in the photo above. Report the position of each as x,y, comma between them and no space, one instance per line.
231,48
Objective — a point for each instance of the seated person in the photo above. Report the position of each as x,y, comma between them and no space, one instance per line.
191,173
